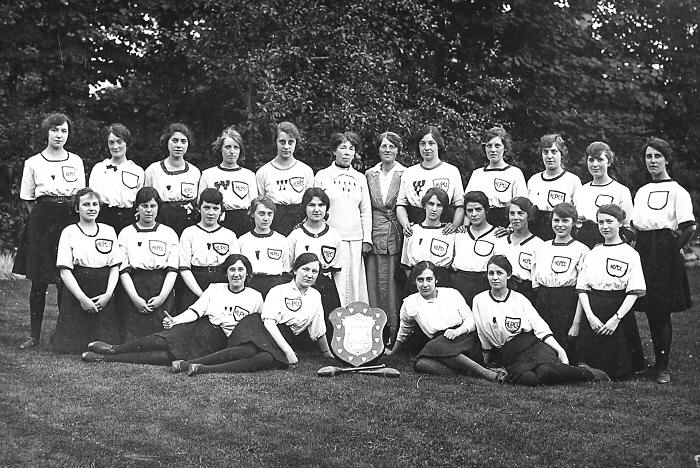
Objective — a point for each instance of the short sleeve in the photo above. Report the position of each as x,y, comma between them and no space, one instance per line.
317,325
636,283
539,326
402,199
463,309
201,305
408,323
476,310
185,250
684,206
271,306
28,187
64,257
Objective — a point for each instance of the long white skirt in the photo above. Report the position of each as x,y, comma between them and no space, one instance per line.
351,281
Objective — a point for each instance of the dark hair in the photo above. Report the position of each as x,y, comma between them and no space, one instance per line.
662,146
351,137
501,261
173,128
553,139
597,148
54,119
419,268
146,194
526,205
501,133
394,138
312,192
119,131
435,192
81,193
477,196
211,195
290,129
232,259
613,210
261,200
304,259
432,130
228,132
566,210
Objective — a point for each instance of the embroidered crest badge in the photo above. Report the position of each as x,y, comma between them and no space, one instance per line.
560,264
513,324
240,189
328,254
293,304
157,247
555,197
103,246
357,333
500,185
220,247
69,173
616,268
274,254
297,183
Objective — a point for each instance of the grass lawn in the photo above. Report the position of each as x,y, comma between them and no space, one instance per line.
58,411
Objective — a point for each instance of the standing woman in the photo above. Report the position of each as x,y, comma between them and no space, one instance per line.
602,190
609,284
88,260
500,181
429,242
117,179
292,317
663,217
285,179
267,250
237,184
432,172
474,245
520,246
351,216
383,182
203,249
49,181
148,270
175,179
552,186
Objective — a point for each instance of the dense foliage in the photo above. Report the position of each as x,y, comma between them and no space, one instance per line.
590,69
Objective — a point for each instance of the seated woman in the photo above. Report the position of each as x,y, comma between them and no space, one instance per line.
445,318
267,341
507,322
190,334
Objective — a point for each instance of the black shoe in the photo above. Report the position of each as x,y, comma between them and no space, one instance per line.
651,373
598,375
89,356
664,377
29,343
101,347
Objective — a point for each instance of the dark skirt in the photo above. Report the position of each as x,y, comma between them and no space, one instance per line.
148,284
467,344
557,306
118,218
263,283
470,283
498,216
589,234
286,218
178,215
664,272
75,328
43,230
204,276
238,221
524,287
618,354
443,279
251,330
416,214
541,225
525,352
195,339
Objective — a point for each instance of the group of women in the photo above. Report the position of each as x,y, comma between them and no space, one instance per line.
213,271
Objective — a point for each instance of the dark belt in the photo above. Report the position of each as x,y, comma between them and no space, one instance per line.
56,199
209,269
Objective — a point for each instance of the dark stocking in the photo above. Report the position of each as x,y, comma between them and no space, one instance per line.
146,343
225,355
465,365
661,336
551,373
37,303
155,358
260,361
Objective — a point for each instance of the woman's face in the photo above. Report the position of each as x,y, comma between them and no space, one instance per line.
263,216
517,217
598,165
148,211
117,146
655,161
230,151
316,210
475,213
561,226
177,145
551,157
236,275
344,154
497,276
388,151
494,149
88,207
433,209
426,283
305,276
428,148
58,136
210,213
286,144
608,226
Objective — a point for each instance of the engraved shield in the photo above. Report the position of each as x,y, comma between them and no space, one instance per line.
357,333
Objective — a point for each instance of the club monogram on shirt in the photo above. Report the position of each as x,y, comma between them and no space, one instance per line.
293,304
616,268
240,189
296,183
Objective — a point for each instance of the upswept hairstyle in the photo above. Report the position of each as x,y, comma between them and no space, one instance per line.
264,201
232,259
501,133
146,194
435,192
312,192
526,205
419,268
662,146
54,119
553,139
613,210
394,138
432,130
501,261
290,129
81,193
477,196
228,132
566,210
170,130
119,131
304,259
597,148
351,137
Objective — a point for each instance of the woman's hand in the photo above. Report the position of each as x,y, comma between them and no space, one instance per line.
451,334
610,326
573,330
596,324
407,230
291,357
463,228
155,302
388,351
88,305
501,231
366,248
563,357
449,228
101,301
